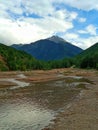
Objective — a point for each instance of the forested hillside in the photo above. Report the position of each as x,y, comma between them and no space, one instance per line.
53,48
12,59
88,58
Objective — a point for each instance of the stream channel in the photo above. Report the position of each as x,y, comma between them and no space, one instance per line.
34,106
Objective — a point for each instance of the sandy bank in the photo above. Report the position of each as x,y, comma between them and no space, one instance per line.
82,113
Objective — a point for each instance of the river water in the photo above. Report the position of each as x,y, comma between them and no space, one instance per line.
35,106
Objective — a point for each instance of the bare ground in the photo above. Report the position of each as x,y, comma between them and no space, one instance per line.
82,113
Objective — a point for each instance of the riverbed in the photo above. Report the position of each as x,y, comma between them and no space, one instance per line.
28,105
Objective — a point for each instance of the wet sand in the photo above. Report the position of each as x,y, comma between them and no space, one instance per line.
81,113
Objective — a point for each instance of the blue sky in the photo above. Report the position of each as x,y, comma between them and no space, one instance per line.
25,21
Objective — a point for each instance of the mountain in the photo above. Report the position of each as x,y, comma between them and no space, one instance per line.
88,58
53,48
12,59
90,51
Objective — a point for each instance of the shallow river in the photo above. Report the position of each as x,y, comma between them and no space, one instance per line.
35,106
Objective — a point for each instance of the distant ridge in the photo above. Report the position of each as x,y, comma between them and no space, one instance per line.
88,58
56,39
12,59
53,48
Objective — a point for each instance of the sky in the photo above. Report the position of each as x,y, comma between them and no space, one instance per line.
26,21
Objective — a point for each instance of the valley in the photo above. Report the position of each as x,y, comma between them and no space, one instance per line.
49,95
48,65
56,98
53,48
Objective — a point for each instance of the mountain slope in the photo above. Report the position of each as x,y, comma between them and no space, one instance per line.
91,50
12,59
88,58
53,48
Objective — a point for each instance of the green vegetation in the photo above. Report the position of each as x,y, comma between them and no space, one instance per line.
3,67
81,86
65,63
16,60
88,58
12,59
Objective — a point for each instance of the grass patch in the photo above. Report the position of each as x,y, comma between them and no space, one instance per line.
81,86
70,80
67,72
85,80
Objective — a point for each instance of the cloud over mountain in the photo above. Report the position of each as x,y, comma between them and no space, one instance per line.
24,21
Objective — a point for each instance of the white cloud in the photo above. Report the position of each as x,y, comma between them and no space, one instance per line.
18,7
83,43
30,30
64,14
91,29
71,36
73,15
82,32
60,14
54,24
21,29
80,4
20,32
90,41
75,40
11,6
17,25
87,42
42,8
82,20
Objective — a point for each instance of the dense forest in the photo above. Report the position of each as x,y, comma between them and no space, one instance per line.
88,58
12,59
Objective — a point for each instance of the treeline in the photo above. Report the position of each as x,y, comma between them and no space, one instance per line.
87,61
12,59
88,58
65,63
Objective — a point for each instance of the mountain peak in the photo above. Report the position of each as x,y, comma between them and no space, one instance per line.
56,39
53,48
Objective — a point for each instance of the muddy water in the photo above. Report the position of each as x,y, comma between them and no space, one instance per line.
33,107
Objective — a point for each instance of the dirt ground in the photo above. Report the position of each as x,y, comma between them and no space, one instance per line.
82,113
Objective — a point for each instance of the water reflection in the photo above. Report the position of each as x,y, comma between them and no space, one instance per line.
32,108
20,114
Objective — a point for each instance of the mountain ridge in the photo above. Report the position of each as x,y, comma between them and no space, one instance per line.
53,48
12,59
88,58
